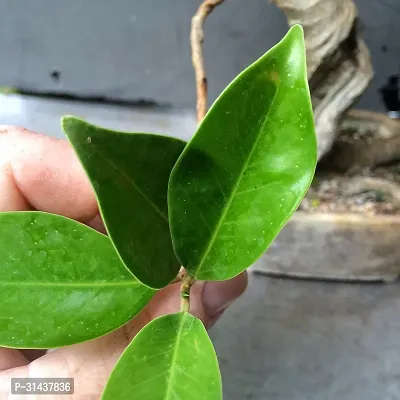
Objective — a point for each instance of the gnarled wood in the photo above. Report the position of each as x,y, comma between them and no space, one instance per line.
366,139
338,61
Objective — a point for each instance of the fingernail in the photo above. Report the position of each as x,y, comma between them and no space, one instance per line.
217,296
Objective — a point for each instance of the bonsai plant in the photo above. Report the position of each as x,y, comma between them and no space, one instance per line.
174,211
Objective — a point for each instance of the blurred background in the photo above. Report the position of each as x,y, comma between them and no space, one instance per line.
321,316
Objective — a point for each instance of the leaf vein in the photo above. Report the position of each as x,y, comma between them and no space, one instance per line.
235,188
129,180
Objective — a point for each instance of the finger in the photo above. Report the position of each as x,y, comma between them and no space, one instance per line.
10,358
43,173
218,296
33,354
91,363
38,172
208,300
97,224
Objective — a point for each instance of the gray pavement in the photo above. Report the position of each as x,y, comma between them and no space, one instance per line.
284,339
303,340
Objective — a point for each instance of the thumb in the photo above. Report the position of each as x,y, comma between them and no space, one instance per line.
218,296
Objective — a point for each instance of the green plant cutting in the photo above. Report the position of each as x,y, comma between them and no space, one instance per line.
203,210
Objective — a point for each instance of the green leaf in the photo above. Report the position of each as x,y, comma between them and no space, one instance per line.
172,358
61,282
247,168
129,173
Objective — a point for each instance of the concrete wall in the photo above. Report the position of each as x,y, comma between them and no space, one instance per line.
139,50
131,50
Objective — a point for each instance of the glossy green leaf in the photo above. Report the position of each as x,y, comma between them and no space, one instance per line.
247,168
129,173
172,358
61,282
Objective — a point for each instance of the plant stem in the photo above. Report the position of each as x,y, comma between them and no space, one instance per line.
196,41
187,282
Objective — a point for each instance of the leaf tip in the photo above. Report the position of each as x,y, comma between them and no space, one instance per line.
67,121
297,55
297,29
295,35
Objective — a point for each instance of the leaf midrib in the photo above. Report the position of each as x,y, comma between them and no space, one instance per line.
129,180
173,360
235,188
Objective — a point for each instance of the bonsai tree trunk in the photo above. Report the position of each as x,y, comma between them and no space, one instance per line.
338,61
348,226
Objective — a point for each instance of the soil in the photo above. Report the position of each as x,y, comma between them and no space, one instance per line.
328,193
362,174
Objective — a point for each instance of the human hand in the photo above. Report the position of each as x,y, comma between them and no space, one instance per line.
42,173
